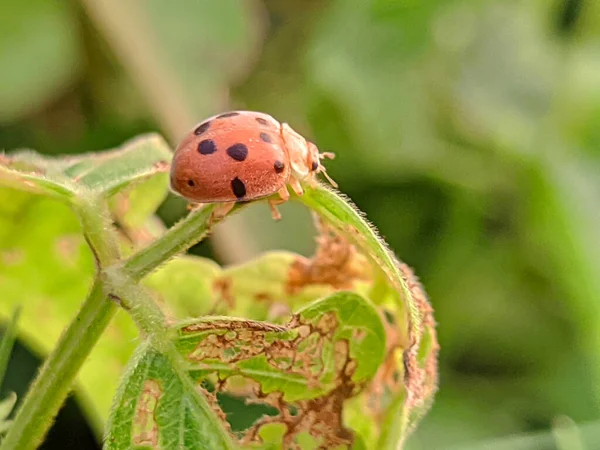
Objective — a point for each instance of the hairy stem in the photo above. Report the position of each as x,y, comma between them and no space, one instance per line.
177,239
151,321
122,281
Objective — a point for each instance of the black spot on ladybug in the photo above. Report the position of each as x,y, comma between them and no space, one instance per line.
191,183
261,121
279,166
238,188
202,128
229,114
239,152
266,138
315,166
207,147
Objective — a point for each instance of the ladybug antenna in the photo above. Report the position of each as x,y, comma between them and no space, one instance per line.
324,172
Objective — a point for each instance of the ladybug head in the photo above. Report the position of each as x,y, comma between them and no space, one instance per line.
315,157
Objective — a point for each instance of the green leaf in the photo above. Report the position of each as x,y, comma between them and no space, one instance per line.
46,266
320,357
357,322
259,286
103,173
156,408
136,205
260,289
8,341
269,286
409,374
112,170
39,54
253,347
185,285
345,218
133,210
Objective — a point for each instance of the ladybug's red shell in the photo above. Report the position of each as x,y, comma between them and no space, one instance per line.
231,157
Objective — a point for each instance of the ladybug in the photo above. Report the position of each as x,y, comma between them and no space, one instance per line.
240,156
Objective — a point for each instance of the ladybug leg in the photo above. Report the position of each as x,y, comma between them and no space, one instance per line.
296,186
194,206
220,212
284,196
273,205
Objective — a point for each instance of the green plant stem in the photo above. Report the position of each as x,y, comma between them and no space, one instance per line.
55,379
122,279
178,238
98,230
146,314
151,321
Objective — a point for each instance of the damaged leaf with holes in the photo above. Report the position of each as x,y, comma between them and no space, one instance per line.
227,355
405,383
156,408
268,287
295,377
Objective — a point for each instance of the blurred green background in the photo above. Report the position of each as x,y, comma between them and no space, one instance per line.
468,131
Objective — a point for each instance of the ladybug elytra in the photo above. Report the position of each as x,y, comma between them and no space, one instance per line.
242,156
